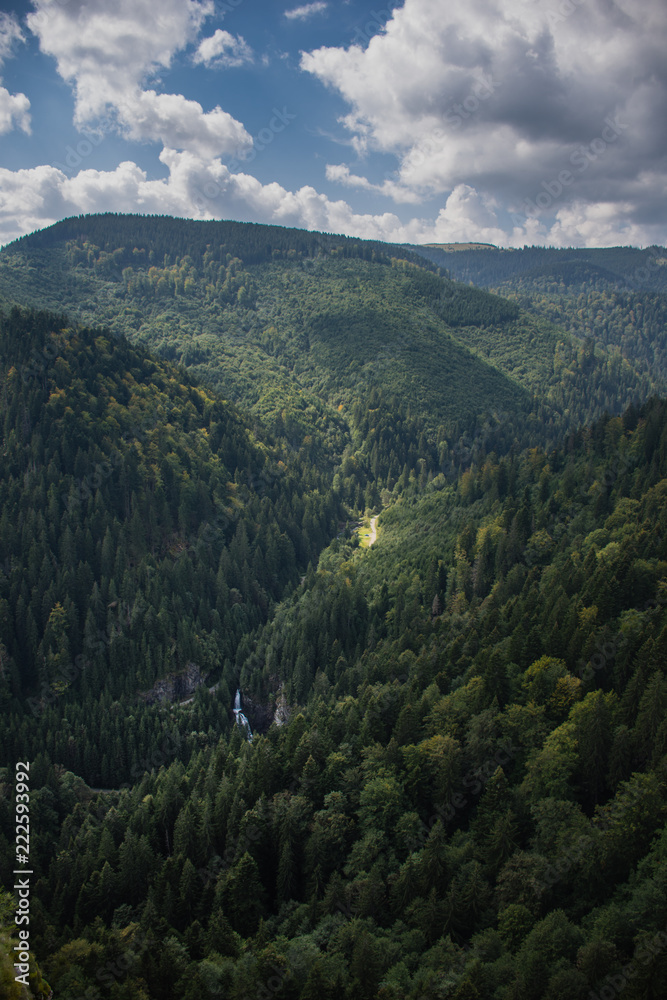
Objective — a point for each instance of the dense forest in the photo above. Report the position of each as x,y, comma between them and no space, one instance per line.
625,267
615,298
294,326
144,528
456,785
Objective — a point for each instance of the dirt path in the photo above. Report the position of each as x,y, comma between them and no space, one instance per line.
373,535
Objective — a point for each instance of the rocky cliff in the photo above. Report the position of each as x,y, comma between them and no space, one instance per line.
176,686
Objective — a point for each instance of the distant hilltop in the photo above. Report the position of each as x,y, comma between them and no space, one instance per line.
450,247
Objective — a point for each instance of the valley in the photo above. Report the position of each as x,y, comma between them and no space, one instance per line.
384,531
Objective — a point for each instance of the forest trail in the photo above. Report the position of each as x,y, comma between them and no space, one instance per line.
373,535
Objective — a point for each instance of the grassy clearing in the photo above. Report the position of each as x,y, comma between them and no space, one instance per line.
367,532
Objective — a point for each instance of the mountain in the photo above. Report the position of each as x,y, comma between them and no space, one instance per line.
616,297
470,796
457,780
145,531
295,326
489,267
267,314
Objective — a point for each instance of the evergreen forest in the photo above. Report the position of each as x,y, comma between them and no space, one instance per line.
407,510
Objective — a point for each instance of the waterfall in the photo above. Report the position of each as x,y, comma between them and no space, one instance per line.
240,717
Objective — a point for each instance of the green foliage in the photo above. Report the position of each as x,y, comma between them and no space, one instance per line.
463,792
293,326
141,537
407,827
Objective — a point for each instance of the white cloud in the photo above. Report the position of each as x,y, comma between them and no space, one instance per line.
181,124
339,173
485,105
10,32
500,94
601,224
107,53
198,187
14,108
14,111
306,11
223,50
30,199
106,50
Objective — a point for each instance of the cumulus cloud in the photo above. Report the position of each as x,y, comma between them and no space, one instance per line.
223,50
107,54
10,32
340,173
529,126
14,111
181,124
14,108
599,225
306,11
201,188
197,187
501,94
30,199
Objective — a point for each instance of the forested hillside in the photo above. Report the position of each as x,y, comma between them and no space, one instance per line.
456,785
615,298
627,267
144,531
293,326
470,797
277,320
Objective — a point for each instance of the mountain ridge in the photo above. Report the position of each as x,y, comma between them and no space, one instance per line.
468,794
304,307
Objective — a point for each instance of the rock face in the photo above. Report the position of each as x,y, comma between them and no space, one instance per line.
282,712
260,716
175,687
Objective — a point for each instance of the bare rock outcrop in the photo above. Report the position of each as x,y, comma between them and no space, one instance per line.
175,686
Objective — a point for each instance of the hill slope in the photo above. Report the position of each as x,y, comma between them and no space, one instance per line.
616,297
145,531
295,325
467,795
472,798
259,310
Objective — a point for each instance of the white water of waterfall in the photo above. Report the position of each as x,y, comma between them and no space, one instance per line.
240,717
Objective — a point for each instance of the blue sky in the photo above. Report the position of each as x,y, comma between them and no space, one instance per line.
503,121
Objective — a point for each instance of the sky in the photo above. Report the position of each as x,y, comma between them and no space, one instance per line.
509,122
